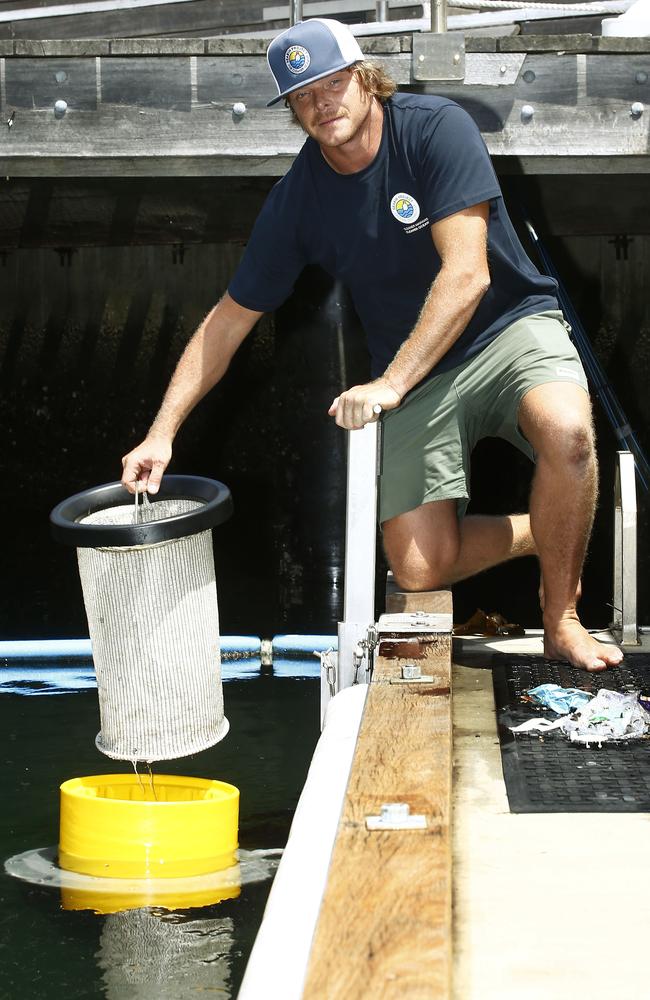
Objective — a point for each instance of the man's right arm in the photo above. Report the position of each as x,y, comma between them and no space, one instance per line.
203,363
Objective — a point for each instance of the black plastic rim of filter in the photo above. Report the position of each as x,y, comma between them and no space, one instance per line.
216,507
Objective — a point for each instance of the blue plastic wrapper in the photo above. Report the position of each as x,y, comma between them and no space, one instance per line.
559,699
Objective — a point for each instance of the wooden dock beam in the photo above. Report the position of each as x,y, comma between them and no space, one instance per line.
384,928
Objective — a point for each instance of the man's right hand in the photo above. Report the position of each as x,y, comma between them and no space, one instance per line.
143,468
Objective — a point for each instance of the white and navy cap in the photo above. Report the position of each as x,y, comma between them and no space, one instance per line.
309,51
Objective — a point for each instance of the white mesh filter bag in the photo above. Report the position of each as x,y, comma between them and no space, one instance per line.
154,626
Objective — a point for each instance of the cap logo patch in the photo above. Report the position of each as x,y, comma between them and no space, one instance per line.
405,208
297,59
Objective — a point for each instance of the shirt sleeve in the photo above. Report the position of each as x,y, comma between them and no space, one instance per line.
273,258
454,166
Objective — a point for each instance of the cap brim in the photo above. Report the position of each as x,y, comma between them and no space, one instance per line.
312,79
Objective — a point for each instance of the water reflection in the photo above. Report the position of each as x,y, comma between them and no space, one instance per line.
153,955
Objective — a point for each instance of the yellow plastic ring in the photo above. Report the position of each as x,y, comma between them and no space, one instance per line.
131,826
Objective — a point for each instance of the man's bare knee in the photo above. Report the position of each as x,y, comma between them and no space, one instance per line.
422,545
418,579
428,568
571,445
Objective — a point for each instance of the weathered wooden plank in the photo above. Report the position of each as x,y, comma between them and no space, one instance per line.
384,928
570,165
125,130
333,8
627,45
223,80
54,47
480,43
147,111
610,79
161,82
217,165
198,18
157,46
174,165
37,83
237,46
546,43
534,25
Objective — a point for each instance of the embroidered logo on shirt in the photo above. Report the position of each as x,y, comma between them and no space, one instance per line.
572,373
297,59
405,208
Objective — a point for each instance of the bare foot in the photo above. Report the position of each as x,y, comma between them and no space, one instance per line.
568,640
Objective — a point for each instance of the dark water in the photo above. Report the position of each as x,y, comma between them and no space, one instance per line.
46,952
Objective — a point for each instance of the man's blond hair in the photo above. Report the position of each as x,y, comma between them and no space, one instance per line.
375,80
372,77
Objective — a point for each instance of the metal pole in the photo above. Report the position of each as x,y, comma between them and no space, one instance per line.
295,11
360,545
438,16
625,572
381,13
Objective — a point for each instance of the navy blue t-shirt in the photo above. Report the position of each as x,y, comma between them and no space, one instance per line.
371,229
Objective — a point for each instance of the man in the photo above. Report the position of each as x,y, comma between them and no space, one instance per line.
395,195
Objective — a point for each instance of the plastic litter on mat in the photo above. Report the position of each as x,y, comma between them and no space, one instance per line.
611,715
538,723
560,699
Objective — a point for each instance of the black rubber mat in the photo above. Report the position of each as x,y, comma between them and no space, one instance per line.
544,772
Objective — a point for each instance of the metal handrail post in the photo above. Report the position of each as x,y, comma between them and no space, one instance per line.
625,545
438,16
295,12
360,553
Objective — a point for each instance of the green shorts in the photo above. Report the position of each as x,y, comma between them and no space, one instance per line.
428,440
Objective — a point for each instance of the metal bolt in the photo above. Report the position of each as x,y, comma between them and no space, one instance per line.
239,109
637,109
420,58
456,58
503,69
60,108
411,671
529,76
641,77
527,112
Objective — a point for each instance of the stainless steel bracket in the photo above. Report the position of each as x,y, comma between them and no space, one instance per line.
414,622
438,56
396,816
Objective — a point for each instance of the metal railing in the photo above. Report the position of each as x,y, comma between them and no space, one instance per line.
625,550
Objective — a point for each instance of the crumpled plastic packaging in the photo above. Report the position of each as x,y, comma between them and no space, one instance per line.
560,699
611,715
